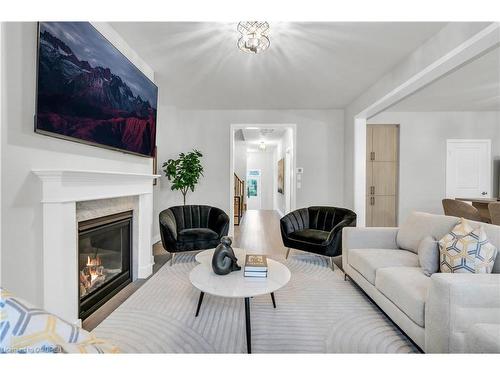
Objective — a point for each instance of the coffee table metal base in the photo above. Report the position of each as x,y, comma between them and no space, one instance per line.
247,317
247,325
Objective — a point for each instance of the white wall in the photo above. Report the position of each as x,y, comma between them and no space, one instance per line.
451,36
423,138
22,150
320,151
285,143
240,159
263,161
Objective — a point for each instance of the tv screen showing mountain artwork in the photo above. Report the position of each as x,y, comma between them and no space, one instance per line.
89,92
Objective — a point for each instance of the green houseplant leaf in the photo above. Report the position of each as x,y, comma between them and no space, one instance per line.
184,172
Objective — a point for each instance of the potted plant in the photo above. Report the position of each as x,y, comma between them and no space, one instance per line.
184,172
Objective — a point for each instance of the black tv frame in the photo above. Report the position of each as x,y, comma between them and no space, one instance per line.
82,141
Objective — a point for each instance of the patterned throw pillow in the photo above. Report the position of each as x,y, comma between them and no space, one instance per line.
25,328
465,250
486,251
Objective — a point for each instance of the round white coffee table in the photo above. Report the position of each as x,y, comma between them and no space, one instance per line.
235,285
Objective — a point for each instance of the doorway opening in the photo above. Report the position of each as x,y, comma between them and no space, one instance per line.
262,170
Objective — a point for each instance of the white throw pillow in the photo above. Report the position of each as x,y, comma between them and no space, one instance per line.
428,255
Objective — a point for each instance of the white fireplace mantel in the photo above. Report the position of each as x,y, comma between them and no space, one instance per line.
61,189
65,185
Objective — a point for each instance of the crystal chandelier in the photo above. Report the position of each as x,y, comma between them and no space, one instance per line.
254,37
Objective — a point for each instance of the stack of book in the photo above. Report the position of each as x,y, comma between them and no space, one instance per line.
255,266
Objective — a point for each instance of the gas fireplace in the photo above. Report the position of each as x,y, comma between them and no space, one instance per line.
104,259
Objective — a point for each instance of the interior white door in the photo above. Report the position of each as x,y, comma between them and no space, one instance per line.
468,168
253,189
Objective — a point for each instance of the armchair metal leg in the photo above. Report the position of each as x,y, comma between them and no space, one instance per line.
287,252
172,259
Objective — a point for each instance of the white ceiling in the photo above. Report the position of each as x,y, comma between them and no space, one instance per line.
263,134
314,65
270,136
472,87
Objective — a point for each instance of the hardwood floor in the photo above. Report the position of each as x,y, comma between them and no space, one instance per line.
258,233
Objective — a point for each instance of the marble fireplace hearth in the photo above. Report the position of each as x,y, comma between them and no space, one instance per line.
71,196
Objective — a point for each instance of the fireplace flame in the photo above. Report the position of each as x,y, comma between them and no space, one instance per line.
91,274
93,261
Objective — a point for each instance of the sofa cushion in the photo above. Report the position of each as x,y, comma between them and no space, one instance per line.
483,338
367,261
428,255
419,225
310,235
406,287
197,234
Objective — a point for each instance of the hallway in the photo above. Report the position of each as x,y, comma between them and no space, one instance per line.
259,233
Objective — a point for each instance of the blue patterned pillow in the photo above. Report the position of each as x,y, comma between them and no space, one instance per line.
486,252
27,329
465,250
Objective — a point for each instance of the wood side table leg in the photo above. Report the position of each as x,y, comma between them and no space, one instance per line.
200,300
247,323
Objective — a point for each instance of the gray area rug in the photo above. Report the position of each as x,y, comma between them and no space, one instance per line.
317,312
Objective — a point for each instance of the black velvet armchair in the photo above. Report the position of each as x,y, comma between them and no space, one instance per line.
316,229
192,227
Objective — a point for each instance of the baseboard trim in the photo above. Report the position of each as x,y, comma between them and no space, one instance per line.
145,271
156,239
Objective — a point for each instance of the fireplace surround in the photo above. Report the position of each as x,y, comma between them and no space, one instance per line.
62,191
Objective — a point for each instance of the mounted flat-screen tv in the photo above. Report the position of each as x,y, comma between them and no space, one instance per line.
88,91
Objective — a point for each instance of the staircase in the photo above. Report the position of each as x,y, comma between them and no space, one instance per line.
239,199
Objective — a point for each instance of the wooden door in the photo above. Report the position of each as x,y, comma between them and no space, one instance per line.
384,211
382,175
385,142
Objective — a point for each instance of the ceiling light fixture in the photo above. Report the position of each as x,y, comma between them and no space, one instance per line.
254,37
262,146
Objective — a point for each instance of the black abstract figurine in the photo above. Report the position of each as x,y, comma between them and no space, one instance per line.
224,261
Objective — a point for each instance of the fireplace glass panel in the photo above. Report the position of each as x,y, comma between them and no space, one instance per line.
104,258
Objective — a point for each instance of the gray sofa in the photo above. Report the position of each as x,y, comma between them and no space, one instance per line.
436,312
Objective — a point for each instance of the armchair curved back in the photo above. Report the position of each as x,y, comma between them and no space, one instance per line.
452,207
494,209
195,216
326,218
175,219
317,218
